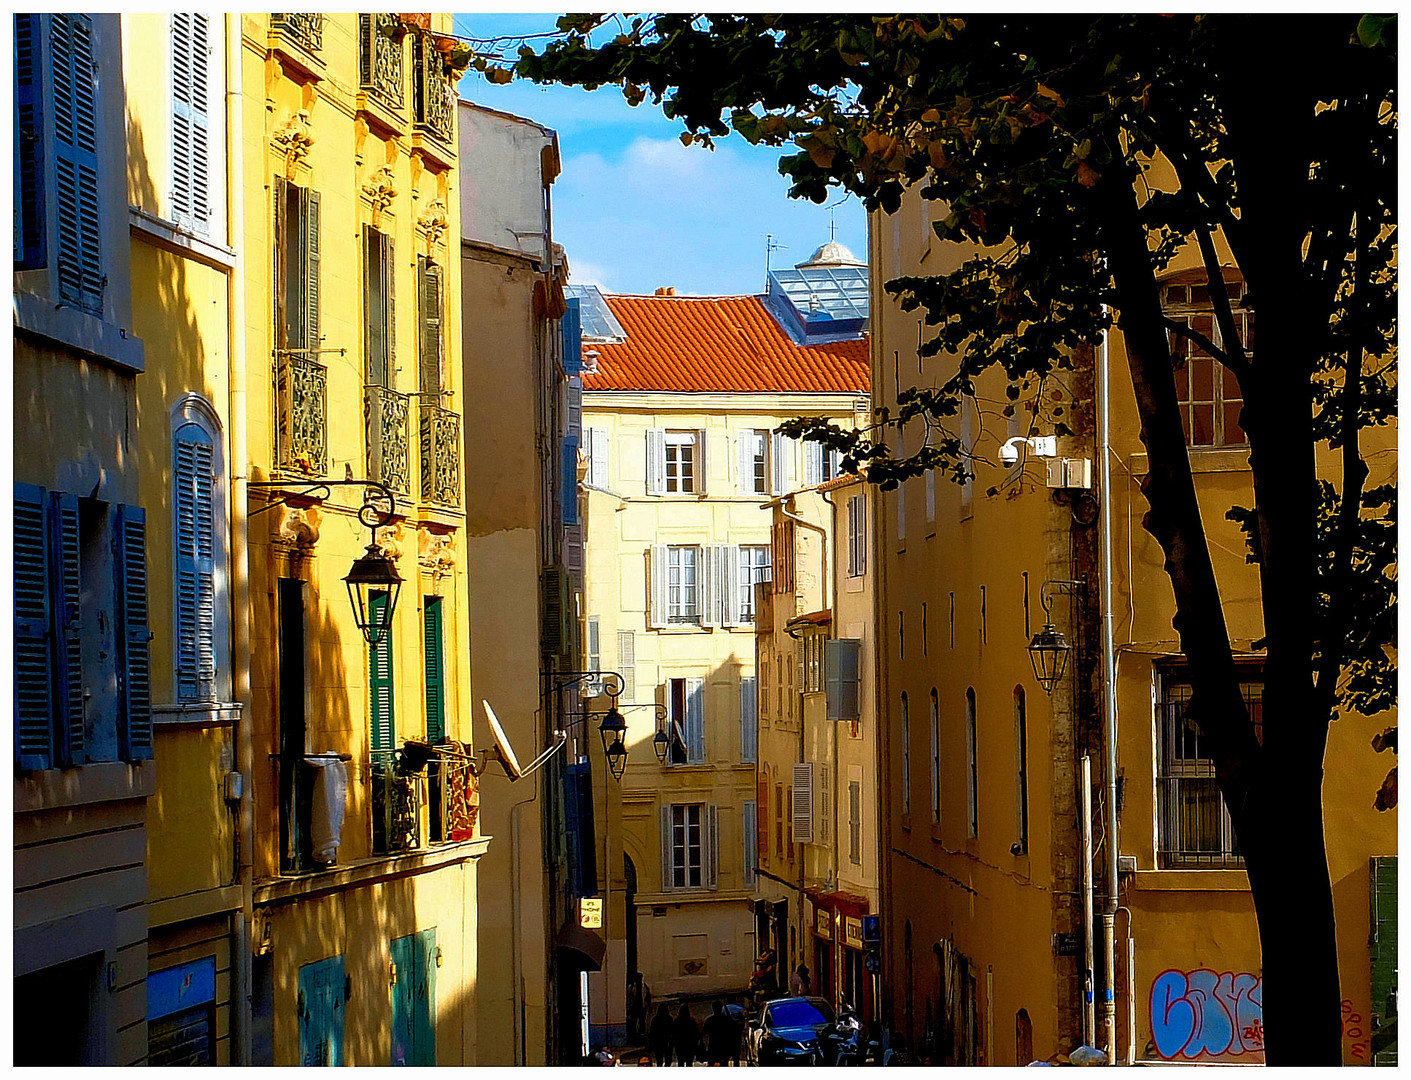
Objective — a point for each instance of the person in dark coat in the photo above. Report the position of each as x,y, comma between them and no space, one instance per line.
685,1036
659,1035
735,1013
717,1032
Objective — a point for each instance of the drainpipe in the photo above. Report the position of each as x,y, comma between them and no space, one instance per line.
239,547
1109,707
837,779
1085,872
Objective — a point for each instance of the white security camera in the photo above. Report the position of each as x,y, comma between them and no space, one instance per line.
1009,453
1039,446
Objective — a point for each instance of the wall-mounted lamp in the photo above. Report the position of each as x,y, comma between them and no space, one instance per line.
1048,651
1038,445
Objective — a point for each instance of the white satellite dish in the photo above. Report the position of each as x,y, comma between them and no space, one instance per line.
505,752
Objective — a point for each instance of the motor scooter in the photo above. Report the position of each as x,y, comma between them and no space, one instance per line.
842,1040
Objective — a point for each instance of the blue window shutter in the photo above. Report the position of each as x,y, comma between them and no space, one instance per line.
68,636
435,669
29,144
570,481
134,635
190,60
322,1005
75,100
193,479
380,680
426,987
33,632
572,325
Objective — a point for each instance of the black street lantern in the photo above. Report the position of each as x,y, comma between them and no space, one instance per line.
660,742
373,574
1048,653
612,729
617,760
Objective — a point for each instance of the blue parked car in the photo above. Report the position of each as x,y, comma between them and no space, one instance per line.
789,1031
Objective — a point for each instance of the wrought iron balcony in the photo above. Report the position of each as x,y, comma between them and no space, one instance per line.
435,101
385,421
396,804
305,28
440,455
380,38
454,797
302,432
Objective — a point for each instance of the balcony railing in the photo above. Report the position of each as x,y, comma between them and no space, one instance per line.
435,101
302,432
297,777
305,28
385,418
396,804
440,455
380,48
454,799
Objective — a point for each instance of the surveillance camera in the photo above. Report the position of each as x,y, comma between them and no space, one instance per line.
1008,454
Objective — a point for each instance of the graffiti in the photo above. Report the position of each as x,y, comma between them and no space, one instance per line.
1355,1033
1204,1014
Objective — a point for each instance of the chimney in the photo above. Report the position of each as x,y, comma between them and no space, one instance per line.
666,290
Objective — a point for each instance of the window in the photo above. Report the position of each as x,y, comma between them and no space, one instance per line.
820,464
1195,828
431,291
779,820
383,725
686,717
754,569
58,179
627,662
781,536
1209,394
905,756
682,590
811,648
689,835
935,758
801,800
842,657
434,667
194,502
593,654
762,810
749,725
748,829
972,786
595,441
82,666
191,121
1021,773
675,462
378,305
855,822
296,268
755,474
857,535
967,449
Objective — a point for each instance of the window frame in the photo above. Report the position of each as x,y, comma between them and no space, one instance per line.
1180,302
686,463
857,535
683,599
755,568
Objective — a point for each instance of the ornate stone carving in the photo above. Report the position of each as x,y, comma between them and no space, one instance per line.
438,553
296,529
435,222
381,190
295,138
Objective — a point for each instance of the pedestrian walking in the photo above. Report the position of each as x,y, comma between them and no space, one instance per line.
685,1036
659,1035
634,1006
716,1032
735,1012
799,983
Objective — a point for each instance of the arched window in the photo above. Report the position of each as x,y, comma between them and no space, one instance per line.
198,548
935,758
972,786
1021,774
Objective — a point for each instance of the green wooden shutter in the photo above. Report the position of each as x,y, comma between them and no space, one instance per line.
33,632
323,995
279,271
73,64
1383,957
65,573
29,144
414,999
429,287
134,636
435,662
380,682
194,481
376,306
312,335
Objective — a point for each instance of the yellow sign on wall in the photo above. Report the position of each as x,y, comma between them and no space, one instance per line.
590,912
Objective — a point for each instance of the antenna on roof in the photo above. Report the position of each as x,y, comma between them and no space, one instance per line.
832,225
769,246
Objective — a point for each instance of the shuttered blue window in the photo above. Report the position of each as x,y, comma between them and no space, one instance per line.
322,1001
435,662
34,642
29,144
570,481
74,97
190,120
380,679
134,637
193,480
414,999
572,327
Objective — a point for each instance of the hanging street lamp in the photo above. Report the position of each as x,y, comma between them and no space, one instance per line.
1048,653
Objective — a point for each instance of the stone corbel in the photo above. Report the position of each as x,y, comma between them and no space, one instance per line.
295,138
381,191
296,529
435,222
438,553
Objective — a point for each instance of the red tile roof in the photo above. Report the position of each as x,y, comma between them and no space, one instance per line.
720,344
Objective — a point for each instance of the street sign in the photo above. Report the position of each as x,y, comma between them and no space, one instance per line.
872,962
1066,945
871,929
590,912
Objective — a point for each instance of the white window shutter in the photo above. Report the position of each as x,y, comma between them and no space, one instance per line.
730,575
598,458
778,459
749,722
656,583
712,847
812,464
656,461
666,849
803,802
835,463
710,586
746,444
702,465
627,662
695,722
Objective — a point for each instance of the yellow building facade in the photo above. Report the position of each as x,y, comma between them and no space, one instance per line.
681,458
983,794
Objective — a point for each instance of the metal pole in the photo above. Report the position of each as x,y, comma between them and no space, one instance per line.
1085,829
1109,711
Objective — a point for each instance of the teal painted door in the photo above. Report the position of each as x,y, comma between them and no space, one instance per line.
322,996
414,999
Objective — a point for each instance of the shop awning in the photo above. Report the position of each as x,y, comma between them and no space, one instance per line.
587,948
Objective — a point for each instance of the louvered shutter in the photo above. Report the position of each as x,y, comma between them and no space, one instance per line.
656,582
710,585
803,803
568,450
374,308
666,882
711,845
598,467
762,812
34,714
194,480
191,166
749,723
656,461
279,270
778,460
702,472
435,666
134,634
746,446
29,144
841,678
431,293
812,464
735,581
73,67
66,574
296,267
695,722
312,335
749,828
380,680
627,662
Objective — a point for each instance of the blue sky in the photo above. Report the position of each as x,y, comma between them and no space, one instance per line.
634,209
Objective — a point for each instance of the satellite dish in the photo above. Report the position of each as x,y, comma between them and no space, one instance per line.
502,744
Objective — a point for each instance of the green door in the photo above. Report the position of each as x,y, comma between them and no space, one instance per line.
322,995
414,999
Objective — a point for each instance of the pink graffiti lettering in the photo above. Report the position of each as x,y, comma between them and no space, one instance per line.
1204,1014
